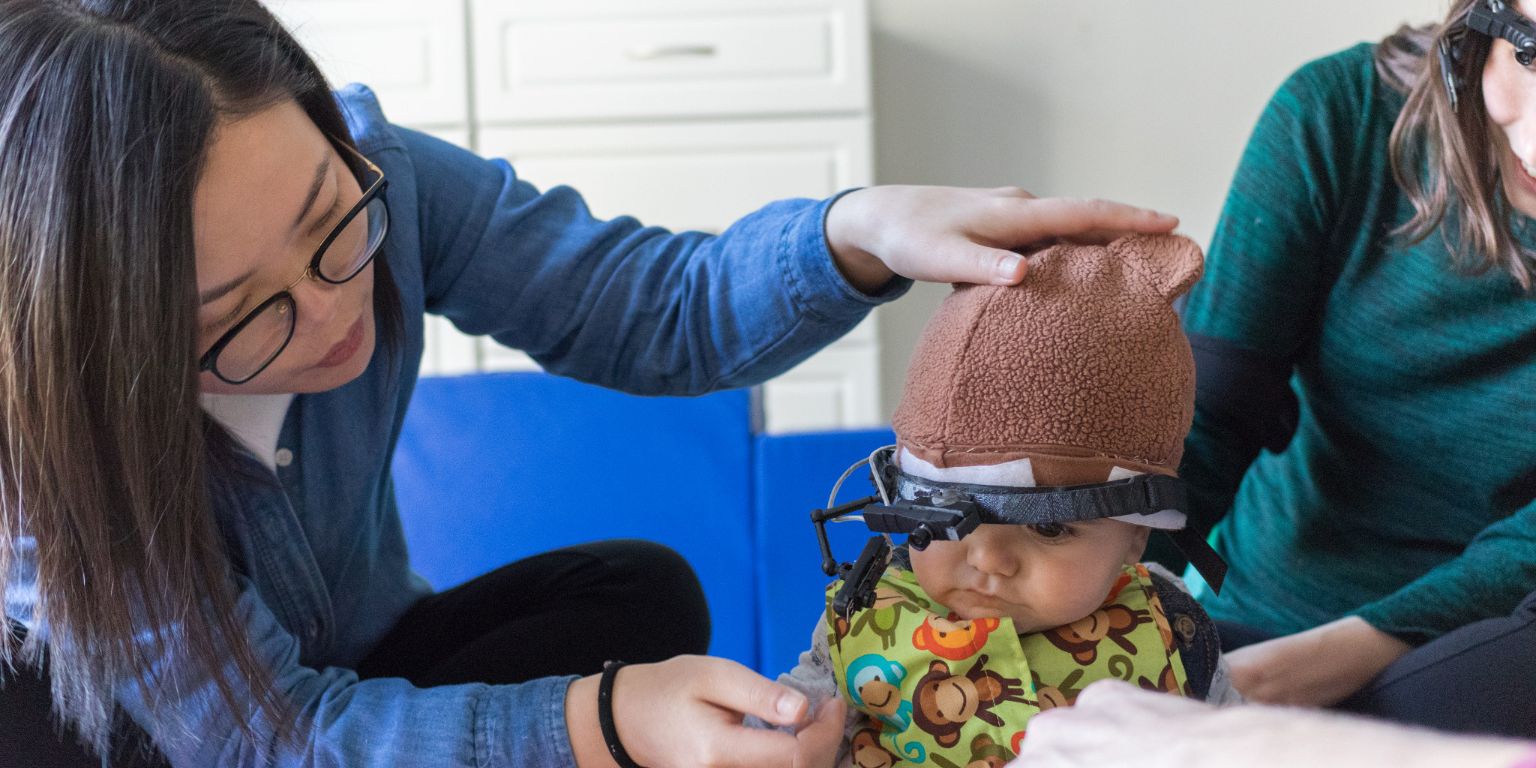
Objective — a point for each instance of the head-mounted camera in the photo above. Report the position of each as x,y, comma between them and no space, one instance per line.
1493,19
927,511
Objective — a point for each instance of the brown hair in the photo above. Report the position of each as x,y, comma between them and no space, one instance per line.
106,458
1446,160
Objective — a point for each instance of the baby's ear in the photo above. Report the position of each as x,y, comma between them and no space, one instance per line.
1138,545
1171,263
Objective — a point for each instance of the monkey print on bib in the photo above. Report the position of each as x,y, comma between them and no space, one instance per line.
938,689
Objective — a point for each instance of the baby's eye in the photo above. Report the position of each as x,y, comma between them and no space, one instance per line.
1052,531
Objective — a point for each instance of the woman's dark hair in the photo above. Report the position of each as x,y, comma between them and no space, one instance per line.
1446,160
107,108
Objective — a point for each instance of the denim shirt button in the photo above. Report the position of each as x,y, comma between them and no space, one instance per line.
284,457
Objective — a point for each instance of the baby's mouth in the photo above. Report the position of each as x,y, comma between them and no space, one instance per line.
985,599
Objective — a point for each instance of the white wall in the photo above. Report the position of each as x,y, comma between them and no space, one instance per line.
1146,101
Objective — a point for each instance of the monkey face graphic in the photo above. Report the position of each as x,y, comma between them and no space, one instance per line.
1081,638
1090,628
944,701
875,682
865,750
952,637
1051,698
950,700
880,697
986,753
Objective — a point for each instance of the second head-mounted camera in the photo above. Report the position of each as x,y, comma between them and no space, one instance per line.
927,511
1492,19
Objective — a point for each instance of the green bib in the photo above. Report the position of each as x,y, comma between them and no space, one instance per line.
936,687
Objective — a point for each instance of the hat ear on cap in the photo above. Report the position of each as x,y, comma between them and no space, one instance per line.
1169,263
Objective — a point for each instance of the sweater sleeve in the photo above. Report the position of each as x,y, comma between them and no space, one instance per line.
1495,571
1267,272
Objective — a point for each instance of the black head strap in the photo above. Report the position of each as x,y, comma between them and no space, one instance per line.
1492,20
1138,495
1146,494
1496,19
927,511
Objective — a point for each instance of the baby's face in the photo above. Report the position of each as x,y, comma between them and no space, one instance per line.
1039,576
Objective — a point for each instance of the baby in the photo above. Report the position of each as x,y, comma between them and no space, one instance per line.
1017,398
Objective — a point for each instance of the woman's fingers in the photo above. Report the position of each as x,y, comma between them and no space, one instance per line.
688,711
737,746
735,688
817,743
955,235
964,261
1021,223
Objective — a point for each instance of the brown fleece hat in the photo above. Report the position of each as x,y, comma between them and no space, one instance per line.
1081,368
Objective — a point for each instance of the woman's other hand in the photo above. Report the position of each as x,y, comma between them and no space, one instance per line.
1186,734
818,742
959,235
1316,668
688,711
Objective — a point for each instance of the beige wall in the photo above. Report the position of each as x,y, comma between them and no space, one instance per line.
1147,101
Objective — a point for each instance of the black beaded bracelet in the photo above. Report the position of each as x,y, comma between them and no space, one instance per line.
605,715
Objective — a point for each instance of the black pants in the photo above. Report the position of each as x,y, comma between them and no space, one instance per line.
562,612
1480,678
559,613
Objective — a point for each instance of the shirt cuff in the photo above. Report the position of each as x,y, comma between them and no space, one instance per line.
814,279
524,725
1387,616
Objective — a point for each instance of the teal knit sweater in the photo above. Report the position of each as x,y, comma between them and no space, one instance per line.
1408,494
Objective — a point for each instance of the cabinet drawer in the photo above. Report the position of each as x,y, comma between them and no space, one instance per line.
690,176
575,62
413,54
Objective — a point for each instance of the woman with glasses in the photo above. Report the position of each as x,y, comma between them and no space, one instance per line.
213,274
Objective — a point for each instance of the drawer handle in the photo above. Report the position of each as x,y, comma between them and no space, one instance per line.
655,52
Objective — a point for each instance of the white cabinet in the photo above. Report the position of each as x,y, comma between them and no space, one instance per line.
686,114
701,175
645,60
413,54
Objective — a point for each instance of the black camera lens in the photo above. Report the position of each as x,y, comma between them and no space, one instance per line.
920,538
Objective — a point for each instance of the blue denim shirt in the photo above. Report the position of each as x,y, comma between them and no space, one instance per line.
321,560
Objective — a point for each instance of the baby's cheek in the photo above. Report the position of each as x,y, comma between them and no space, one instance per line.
935,565
1065,589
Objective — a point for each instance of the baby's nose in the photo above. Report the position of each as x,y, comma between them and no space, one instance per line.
991,553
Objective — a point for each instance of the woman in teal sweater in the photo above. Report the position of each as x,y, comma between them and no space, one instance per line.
1365,431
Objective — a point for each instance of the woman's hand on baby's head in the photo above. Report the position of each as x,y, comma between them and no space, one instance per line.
960,235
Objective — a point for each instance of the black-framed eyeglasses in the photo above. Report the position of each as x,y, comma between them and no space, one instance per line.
246,349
